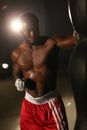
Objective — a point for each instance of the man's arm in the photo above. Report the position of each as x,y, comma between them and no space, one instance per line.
66,41
16,69
17,74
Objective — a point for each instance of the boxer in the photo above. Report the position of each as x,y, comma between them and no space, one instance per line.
35,63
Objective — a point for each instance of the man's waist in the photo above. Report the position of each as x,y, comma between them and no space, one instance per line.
42,99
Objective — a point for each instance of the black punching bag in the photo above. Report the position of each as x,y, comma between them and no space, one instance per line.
78,78
78,61
79,15
78,74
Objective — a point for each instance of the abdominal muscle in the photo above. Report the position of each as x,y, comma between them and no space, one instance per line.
40,77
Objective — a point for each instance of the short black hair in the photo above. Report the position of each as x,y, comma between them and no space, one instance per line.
29,18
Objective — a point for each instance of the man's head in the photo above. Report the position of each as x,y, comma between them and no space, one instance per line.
30,27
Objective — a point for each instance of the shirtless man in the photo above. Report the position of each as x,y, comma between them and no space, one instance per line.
35,71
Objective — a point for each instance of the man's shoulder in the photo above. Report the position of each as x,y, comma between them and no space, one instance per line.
18,48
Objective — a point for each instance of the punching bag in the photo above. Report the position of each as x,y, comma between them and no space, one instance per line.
78,10
78,78
78,74
78,61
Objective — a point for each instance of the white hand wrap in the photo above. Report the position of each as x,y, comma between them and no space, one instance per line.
19,84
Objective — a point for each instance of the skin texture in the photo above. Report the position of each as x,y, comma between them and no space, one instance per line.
37,60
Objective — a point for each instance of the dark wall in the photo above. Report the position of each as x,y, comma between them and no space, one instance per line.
53,19
57,17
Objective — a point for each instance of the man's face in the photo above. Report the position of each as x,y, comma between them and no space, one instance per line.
30,34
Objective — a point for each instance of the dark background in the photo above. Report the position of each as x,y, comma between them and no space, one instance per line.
53,19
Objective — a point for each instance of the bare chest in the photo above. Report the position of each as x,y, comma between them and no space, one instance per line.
36,58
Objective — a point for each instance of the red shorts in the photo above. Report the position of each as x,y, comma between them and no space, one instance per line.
43,113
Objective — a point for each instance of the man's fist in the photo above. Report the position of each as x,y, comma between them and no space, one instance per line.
19,84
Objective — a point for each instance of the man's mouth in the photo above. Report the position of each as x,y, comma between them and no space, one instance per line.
30,39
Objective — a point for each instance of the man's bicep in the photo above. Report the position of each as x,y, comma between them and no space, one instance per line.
60,41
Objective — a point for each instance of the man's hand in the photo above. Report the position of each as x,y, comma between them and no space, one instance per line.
75,34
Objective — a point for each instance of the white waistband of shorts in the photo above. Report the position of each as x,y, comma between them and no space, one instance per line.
40,100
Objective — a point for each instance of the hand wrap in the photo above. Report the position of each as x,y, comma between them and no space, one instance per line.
19,84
